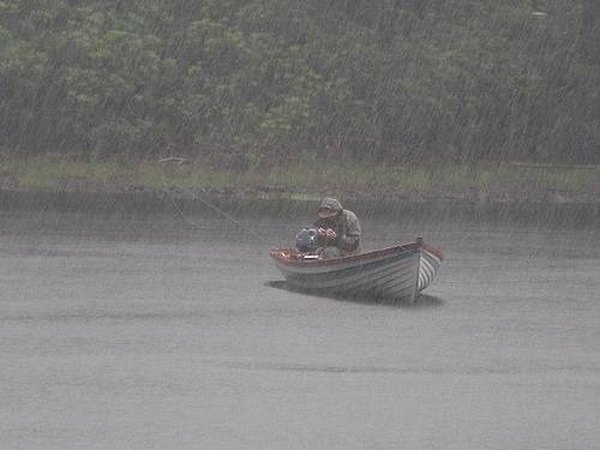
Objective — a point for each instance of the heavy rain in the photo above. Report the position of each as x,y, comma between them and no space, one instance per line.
158,157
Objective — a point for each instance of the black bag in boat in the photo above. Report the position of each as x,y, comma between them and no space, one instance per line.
306,240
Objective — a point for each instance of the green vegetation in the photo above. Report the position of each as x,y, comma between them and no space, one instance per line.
247,86
504,182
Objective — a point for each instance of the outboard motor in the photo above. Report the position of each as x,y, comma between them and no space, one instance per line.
306,240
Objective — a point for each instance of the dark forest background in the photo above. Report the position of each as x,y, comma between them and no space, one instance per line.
251,82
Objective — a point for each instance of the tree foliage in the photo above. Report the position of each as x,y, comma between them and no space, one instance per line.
243,82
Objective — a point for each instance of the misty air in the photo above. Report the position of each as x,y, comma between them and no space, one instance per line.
277,224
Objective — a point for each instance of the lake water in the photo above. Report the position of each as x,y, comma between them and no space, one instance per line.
126,325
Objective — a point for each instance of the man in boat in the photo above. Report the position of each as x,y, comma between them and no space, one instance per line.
338,230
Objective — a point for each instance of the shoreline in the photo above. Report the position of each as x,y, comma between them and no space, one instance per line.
507,183
277,193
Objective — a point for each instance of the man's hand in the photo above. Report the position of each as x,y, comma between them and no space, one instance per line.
328,233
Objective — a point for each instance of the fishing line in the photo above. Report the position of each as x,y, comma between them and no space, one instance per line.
180,212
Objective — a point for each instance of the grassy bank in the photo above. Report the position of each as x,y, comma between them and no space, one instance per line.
505,182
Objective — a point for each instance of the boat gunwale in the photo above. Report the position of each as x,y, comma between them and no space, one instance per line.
276,255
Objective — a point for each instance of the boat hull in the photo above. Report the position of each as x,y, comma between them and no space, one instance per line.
398,272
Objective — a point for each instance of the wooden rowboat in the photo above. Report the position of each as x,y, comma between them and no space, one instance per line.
398,272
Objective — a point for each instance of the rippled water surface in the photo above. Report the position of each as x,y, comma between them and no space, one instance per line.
124,324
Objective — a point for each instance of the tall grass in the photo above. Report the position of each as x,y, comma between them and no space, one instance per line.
52,173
